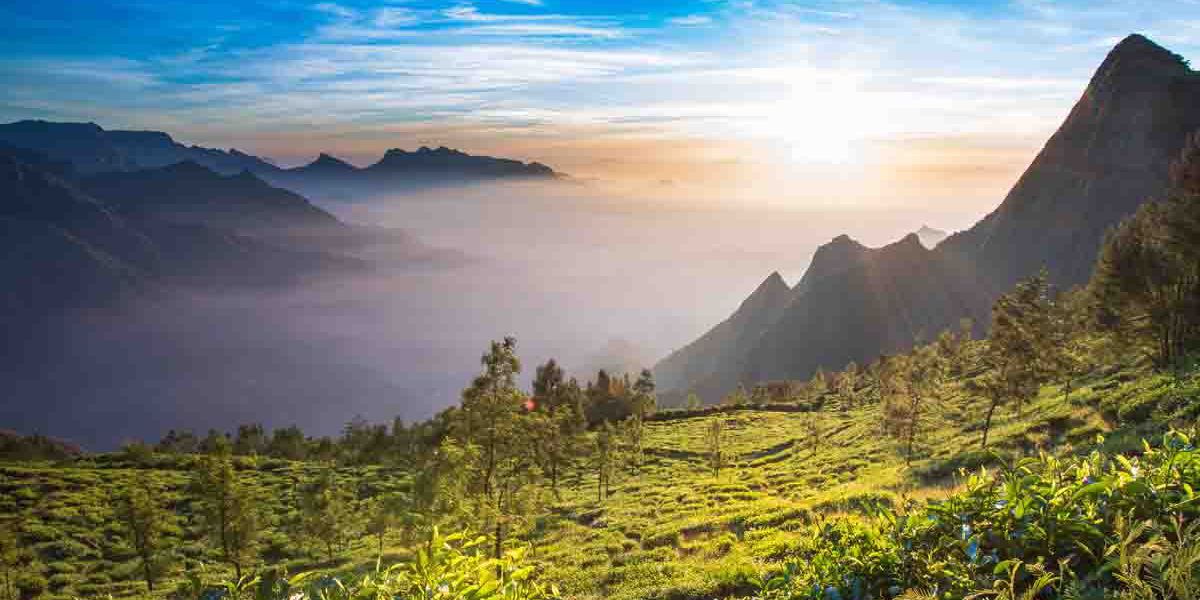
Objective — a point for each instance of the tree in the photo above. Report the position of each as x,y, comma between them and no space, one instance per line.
144,522
287,443
644,400
228,509
716,450
737,397
818,385
326,512
693,401
811,430
911,382
847,384
607,456
1147,282
498,440
250,440
1021,347
558,405
383,514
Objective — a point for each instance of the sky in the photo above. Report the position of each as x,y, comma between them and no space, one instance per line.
847,103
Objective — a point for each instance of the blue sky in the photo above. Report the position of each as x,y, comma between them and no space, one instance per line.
615,90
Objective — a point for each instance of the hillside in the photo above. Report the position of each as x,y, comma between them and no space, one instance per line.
1110,155
670,528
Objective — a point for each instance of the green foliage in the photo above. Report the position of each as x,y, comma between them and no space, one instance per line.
229,510
145,522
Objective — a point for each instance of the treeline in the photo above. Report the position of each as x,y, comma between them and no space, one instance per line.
606,399
484,465
35,447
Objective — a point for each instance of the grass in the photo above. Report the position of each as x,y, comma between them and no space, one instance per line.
65,516
671,529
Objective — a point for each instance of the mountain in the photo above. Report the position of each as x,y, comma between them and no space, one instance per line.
718,356
400,171
189,193
326,165
429,161
1112,153
91,149
71,242
62,248
931,237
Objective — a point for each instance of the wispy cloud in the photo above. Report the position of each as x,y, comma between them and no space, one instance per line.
691,20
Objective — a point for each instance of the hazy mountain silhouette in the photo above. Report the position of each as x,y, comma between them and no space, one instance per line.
1111,154
92,149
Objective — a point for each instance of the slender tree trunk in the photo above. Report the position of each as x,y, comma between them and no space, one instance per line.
987,423
147,573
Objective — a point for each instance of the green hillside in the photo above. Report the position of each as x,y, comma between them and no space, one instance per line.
671,527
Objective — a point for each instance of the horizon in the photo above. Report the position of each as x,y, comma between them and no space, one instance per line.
789,105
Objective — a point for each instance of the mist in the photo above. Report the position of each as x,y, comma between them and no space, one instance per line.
593,279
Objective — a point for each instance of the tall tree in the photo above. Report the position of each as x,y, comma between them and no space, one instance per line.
644,400
499,442
326,512
606,458
144,523
228,508
558,406
847,384
1147,281
1021,348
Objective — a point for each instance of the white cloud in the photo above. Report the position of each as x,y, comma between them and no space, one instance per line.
691,20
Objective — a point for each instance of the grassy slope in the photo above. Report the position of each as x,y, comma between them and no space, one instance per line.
676,531
65,514
671,529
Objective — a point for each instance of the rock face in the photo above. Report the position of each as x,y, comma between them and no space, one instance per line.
1111,154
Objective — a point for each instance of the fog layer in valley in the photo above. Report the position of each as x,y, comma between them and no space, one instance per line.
593,281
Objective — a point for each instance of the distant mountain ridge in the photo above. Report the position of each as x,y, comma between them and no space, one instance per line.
1111,154
70,241
91,150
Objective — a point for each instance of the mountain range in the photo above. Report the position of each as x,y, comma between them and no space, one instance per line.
854,303
81,241
92,149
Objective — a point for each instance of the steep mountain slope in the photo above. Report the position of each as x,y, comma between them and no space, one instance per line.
62,249
880,304
718,354
1112,153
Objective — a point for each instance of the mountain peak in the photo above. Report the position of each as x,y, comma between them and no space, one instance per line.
1136,59
1138,45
